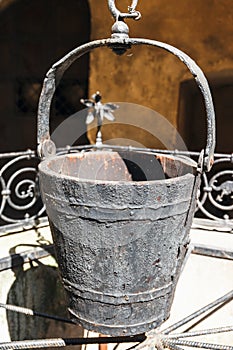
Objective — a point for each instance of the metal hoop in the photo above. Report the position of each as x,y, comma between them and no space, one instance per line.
57,70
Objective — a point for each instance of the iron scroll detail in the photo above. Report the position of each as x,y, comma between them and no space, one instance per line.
55,73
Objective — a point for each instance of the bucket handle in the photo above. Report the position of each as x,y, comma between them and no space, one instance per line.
47,148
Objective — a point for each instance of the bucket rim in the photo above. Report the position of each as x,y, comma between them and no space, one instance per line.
44,168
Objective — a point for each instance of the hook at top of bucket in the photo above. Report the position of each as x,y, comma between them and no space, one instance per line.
120,29
132,13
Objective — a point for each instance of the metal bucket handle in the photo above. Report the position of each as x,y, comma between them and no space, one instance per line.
47,148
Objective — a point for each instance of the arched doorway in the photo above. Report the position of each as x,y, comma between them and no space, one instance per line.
34,35
191,114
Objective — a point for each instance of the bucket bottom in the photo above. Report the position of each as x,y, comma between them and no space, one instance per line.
122,319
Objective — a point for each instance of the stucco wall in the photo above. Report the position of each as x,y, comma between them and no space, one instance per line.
202,29
151,77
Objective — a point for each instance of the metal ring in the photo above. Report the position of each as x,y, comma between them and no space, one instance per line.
119,15
133,6
57,70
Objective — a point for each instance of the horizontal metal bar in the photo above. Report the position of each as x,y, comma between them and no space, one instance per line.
27,224
17,154
19,259
200,332
200,345
62,342
213,252
68,148
222,300
30,312
213,225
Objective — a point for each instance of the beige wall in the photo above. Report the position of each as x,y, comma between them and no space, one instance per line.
151,77
202,29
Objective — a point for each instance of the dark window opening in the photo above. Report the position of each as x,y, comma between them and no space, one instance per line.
33,36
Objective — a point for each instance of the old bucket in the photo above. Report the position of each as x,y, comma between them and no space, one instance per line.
120,242
120,234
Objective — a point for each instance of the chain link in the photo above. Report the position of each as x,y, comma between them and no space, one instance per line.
133,6
132,13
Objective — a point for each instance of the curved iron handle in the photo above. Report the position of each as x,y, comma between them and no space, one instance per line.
46,146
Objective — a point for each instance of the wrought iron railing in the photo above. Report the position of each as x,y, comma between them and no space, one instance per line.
21,205
20,201
215,201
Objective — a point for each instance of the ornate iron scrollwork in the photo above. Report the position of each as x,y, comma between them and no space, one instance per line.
20,200
216,198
